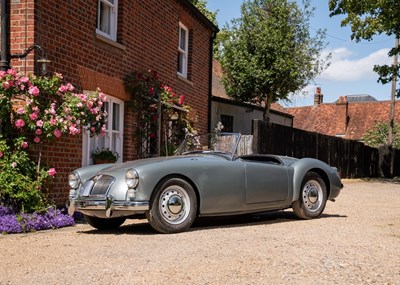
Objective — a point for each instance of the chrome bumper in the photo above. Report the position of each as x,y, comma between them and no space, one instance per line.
109,205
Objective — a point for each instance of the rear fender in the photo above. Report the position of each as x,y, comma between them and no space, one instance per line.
305,165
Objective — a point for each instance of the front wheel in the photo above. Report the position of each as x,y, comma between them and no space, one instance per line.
312,199
173,207
104,224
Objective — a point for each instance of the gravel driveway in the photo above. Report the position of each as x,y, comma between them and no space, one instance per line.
356,241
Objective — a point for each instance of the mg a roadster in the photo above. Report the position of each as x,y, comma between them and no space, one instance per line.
206,177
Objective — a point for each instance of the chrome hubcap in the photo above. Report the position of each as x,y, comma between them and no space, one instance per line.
174,204
312,195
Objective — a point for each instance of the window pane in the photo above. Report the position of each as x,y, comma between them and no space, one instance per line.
227,122
105,17
115,119
180,62
182,42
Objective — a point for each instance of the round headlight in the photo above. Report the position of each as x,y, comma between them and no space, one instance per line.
74,180
132,178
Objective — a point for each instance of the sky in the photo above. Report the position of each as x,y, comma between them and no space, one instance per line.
350,71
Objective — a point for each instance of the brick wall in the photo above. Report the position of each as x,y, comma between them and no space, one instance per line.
147,39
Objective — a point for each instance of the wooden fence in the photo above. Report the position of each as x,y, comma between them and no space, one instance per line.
353,159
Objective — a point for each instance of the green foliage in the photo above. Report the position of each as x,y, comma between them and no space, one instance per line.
269,52
378,135
105,154
202,6
38,110
146,93
368,18
20,182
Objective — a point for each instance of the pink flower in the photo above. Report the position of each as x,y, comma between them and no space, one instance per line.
6,85
36,140
151,90
152,135
73,130
20,123
13,164
52,172
70,87
24,79
53,121
38,132
63,88
39,123
34,116
24,145
20,111
181,100
57,133
1,154
79,105
33,90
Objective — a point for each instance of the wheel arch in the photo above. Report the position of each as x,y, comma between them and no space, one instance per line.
180,176
300,172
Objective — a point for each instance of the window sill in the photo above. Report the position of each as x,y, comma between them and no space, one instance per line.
110,42
185,79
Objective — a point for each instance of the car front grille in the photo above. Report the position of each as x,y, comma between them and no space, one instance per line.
97,186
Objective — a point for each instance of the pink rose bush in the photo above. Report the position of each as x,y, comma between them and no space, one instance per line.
42,109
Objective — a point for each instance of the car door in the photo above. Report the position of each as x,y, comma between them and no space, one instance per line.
265,182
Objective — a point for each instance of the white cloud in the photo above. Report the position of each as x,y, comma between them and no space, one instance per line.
345,67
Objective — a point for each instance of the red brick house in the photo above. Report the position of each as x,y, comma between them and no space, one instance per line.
349,117
95,44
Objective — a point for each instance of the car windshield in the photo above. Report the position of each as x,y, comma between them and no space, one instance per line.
215,142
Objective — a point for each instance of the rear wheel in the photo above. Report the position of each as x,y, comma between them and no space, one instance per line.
104,224
312,199
173,208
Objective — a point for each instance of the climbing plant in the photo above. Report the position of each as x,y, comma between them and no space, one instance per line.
163,116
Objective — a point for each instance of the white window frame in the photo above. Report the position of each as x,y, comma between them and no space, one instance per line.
183,51
109,20
113,139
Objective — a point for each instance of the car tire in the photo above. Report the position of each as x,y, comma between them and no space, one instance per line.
173,207
104,224
312,197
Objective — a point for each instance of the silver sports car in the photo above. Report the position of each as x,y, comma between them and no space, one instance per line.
205,178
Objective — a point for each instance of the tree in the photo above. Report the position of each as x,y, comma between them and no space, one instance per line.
269,52
378,135
202,6
368,18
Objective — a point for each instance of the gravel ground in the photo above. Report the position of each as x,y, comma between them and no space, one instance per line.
356,241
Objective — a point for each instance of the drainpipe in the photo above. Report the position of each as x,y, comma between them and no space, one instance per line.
5,52
210,69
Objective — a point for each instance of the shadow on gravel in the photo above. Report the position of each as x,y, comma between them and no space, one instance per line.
144,228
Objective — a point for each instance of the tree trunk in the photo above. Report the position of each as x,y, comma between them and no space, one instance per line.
267,107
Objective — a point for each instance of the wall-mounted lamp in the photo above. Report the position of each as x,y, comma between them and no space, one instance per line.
43,60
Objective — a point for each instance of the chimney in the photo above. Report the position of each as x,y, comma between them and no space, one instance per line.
318,97
342,116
